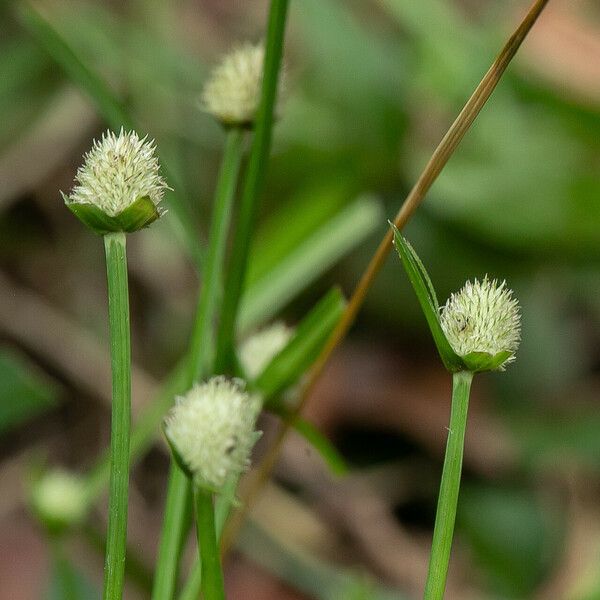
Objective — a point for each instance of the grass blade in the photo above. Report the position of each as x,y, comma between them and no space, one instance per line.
328,452
109,105
424,289
308,260
291,363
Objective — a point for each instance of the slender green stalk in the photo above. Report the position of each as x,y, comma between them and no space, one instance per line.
120,350
64,576
177,521
253,183
176,524
143,433
191,589
449,488
202,343
136,571
212,575
193,585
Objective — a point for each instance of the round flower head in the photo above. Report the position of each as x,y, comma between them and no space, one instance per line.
211,431
482,323
118,187
259,349
59,499
232,93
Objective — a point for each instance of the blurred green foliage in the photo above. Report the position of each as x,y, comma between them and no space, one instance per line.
373,85
25,391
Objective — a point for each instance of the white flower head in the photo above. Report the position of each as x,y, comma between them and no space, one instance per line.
117,172
59,498
483,317
211,430
257,351
232,93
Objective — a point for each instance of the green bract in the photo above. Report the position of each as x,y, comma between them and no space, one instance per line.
428,300
138,215
479,327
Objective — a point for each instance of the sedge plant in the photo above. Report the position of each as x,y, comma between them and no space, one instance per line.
118,190
478,329
438,160
233,95
211,431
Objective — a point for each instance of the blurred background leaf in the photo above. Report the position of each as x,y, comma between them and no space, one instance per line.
26,392
372,87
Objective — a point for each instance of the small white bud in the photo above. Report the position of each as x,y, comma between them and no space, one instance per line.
59,499
483,317
211,430
120,171
257,351
232,93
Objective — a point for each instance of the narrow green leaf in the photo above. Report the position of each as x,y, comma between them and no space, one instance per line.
25,393
427,299
424,275
308,260
328,452
67,582
291,363
108,103
316,577
293,221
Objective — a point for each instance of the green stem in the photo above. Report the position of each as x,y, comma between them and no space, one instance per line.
449,488
202,342
143,433
135,570
177,521
193,585
65,578
255,174
120,350
212,575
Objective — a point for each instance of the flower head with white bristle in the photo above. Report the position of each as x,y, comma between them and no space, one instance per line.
259,349
119,186
483,318
232,93
59,499
211,430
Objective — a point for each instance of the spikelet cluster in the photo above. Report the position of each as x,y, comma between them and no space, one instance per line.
232,93
59,498
211,428
482,317
117,171
259,349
